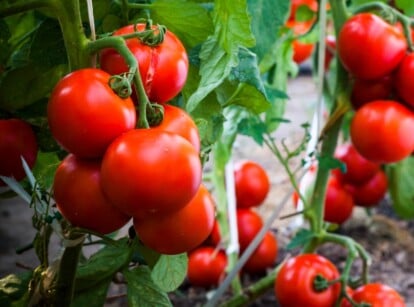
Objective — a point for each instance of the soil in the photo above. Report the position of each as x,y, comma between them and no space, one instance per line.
388,239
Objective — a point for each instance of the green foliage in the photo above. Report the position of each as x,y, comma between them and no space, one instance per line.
14,290
169,271
407,6
302,237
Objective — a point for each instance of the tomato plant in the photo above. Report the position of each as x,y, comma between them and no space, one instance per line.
264,255
301,50
17,140
249,224
364,91
404,80
371,192
377,295
338,202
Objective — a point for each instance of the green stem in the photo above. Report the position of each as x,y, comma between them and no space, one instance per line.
8,9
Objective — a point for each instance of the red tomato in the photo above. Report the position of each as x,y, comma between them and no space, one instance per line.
249,224
214,238
382,131
79,198
301,51
404,79
370,193
378,295
264,255
369,47
150,172
177,121
251,183
295,4
17,140
294,285
180,231
364,91
358,169
85,115
163,68
206,266
338,202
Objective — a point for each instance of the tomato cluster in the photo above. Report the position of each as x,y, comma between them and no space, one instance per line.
382,73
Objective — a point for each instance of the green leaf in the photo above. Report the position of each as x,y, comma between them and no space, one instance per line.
302,237
14,289
400,185
188,20
142,290
407,6
45,168
328,163
254,127
170,271
94,296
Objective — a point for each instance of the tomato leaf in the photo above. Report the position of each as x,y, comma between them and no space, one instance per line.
13,289
170,271
400,185
142,291
302,237
94,296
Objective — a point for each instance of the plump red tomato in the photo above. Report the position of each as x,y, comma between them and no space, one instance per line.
378,295
251,184
370,193
294,285
249,224
206,266
17,140
301,51
382,131
264,255
147,172
358,169
404,79
338,202
180,231
369,47
85,115
163,68
79,197
364,91
176,120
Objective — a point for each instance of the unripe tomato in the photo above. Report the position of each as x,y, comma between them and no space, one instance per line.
251,183
294,285
85,115
338,202
249,224
370,193
163,68
404,79
150,172
17,140
264,256
369,47
364,91
378,295
79,197
180,231
382,131
206,266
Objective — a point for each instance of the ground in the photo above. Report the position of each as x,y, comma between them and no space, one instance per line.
389,240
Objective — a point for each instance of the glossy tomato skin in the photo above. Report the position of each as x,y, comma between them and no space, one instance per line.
163,68
338,202
369,47
264,256
358,169
364,91
17,140
370,193
251,184
378,295
79,197
180,231
249,224
294,282
85,115
150,172
206,266
176,120
404,79
382,131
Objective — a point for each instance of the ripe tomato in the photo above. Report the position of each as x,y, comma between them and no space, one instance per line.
249,224
378,295
214,239
163,68
150,172
382,131
294,285
264,255
206,266
370,193
180,231
176,120
364,91
295,4
251,184
338,202
404,79
381,46
301,51
17,140
85,115
358,169
79,197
